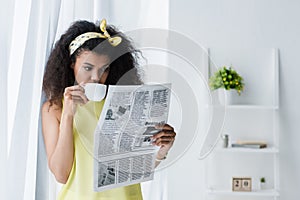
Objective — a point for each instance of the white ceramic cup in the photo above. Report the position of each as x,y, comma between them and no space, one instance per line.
95,91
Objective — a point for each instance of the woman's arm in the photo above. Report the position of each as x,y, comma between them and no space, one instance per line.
58,139
58,132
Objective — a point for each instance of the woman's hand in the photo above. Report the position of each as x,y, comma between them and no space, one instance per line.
73,96
165,139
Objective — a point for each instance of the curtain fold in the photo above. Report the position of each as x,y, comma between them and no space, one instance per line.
6,13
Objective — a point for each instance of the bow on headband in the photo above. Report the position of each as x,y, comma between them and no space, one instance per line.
79,40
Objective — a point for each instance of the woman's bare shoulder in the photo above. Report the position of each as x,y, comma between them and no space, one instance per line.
51,109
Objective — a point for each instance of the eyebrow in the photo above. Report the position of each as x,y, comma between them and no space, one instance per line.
93,65
88,64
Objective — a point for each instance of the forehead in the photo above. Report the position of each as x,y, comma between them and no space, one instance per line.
91,58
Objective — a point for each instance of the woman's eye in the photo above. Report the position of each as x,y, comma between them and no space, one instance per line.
87,68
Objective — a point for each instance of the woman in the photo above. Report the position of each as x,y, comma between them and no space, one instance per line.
86,53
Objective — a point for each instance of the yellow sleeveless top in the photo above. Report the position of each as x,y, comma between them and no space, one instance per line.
80,182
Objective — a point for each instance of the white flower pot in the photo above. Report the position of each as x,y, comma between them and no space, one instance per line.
225,96
262,186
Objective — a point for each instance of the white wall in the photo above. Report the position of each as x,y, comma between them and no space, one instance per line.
135,14
253,24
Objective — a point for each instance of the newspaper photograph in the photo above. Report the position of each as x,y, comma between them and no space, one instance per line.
123,149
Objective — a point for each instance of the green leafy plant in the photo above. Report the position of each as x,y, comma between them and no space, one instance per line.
227,78
262,180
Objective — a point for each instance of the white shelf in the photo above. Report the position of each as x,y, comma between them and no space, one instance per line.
247,150
249,106
258,116
244,107
258,193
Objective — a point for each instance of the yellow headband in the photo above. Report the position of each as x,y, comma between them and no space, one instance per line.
79,40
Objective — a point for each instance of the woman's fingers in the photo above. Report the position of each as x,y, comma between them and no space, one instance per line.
162,133
79,94
164,140
165,136
78,100
164,127
161,136
76,93
75,87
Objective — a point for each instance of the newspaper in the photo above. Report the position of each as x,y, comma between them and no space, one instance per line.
123,147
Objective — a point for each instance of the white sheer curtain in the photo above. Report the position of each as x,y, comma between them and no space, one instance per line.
26,27
4,42
29,29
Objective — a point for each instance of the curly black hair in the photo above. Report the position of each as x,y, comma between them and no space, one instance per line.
59,73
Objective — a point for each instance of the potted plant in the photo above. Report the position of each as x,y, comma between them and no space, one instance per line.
262,183
228,79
